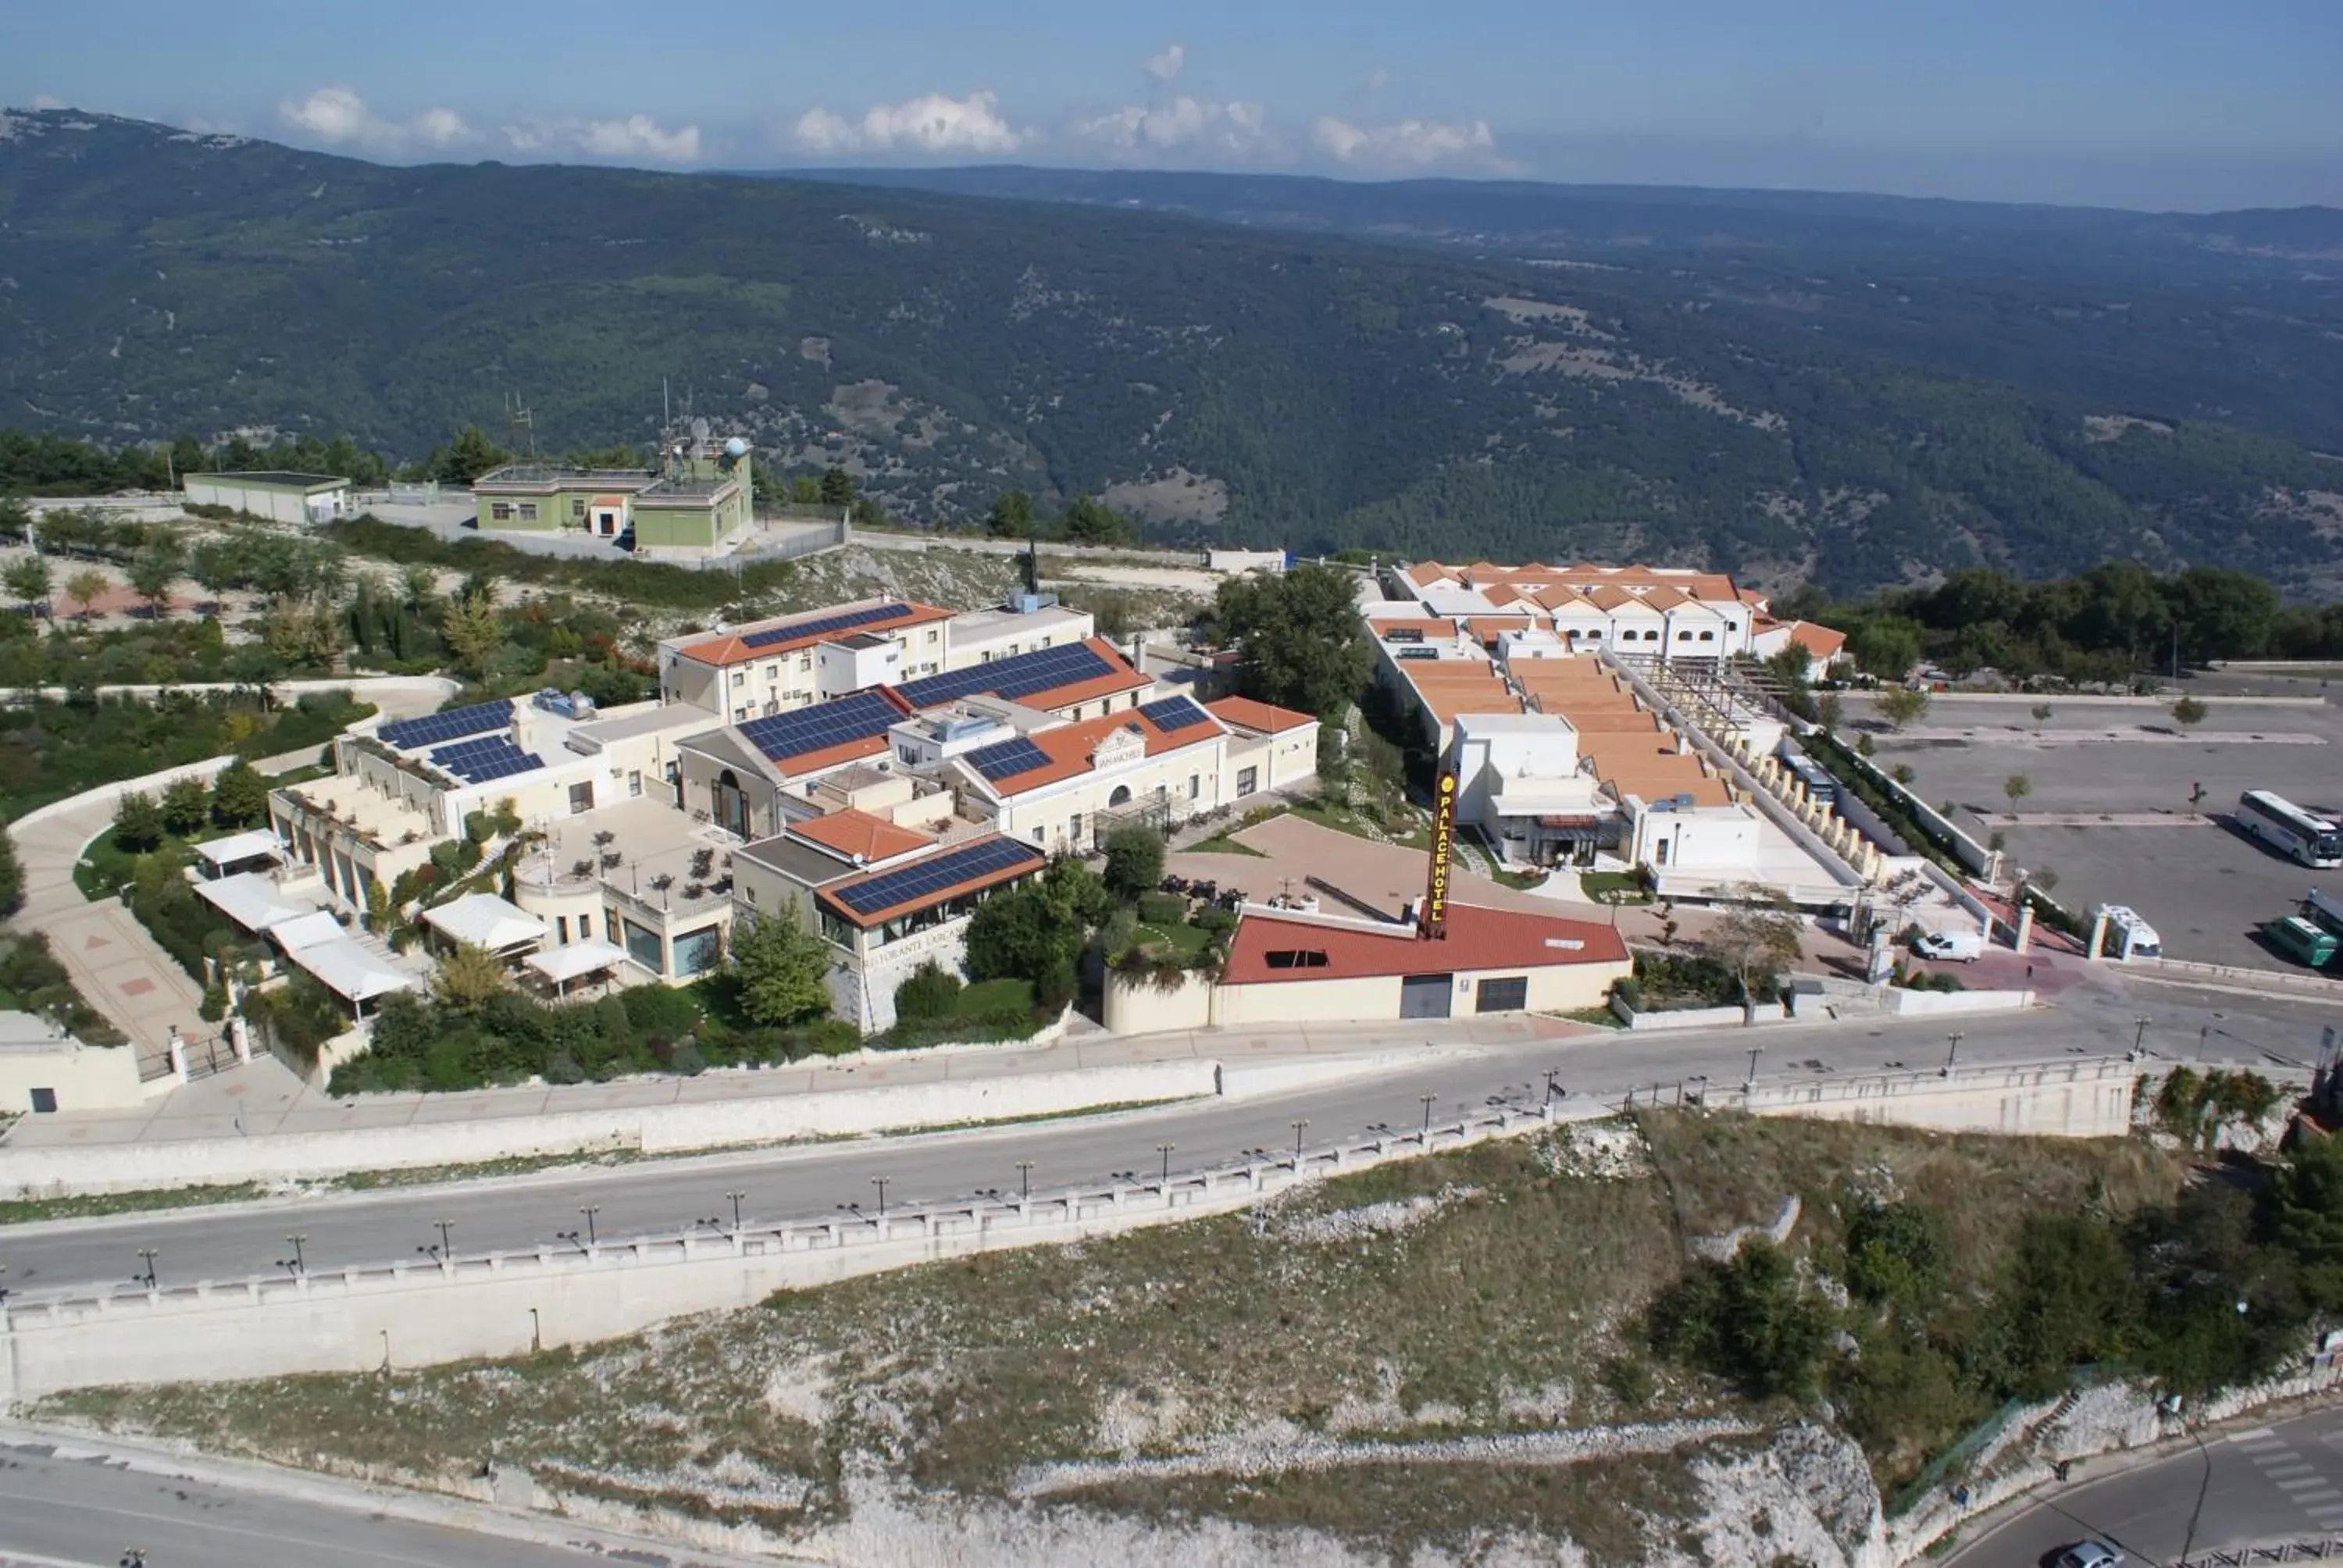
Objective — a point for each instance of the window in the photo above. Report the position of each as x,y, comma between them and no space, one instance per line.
1684,637
1074,826
562,931
501,511
635,782
931,634
740,678
696,951
1295,959
741,713
642,946
585,927
1511,994
1595,633
529,511
1036,835
986,658
1195,786
581,798
1248,780
749,891
577,506
1708,637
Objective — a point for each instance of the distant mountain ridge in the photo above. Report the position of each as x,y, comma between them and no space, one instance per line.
1820,399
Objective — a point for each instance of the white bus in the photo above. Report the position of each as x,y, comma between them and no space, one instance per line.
2289,830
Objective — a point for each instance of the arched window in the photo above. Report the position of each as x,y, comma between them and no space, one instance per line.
1122,797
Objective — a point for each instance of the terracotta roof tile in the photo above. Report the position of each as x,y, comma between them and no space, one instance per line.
857,835
1267,719
1477,938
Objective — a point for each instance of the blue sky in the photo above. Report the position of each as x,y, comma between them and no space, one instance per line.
2149,103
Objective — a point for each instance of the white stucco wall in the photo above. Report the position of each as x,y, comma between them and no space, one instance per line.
84,1077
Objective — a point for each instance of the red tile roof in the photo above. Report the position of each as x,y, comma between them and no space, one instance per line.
1069,747
830,895
858,835
1478,938
1264,718
729,647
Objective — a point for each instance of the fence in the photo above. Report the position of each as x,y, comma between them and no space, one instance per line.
2316,1549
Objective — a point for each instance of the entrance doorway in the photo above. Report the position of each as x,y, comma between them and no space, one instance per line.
1425,996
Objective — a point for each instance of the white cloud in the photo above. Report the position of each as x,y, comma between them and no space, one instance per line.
1177,124
338,117
930,123
1166,66
637,137
43,101
1378,79
1405,144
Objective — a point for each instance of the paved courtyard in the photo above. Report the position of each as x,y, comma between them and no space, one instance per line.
2111,809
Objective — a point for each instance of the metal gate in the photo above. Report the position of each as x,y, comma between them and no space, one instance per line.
1425,996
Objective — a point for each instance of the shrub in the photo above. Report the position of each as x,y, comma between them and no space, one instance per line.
1750,1320
930,993
1213,919
1134,860
834,1036
658,1012
686,1059
1163,909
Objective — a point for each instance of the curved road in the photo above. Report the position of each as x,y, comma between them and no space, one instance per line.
2242,1487
815,1180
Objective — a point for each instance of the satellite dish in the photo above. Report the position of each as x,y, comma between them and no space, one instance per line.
738,447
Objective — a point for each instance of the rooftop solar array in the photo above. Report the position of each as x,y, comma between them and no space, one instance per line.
824,725
869,615
1173,713
1011,679
889,888
478,762
439,728
1007,759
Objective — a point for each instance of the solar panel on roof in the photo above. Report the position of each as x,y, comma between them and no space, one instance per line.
1173,713
482,761
1007,759
1018,676
825,724
433,728
910,883
869,615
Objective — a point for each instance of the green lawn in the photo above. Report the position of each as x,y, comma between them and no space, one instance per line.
1342,819
1181,942
1602,886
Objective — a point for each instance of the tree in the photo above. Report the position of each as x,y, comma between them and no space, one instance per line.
2221,613
927,993
138,821
1010,514
1089,521
1300,634
2305,1213
1756,937
472,629
152,572
85,588
1830,710
239,795
2189,712
2016,788
12,876
1903,705
465,459
215,564
468,979
187,803
836,487
28,581
780,968
1035,930
1885,646
1751,1319
1134,860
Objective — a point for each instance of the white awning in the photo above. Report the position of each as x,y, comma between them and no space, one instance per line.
253,900
306,931
353,971
562,965
486,920
237,847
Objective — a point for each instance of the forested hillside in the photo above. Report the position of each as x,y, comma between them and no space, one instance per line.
1315,390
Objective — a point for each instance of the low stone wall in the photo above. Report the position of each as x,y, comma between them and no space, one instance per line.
1904,1002
2085,1098
1696,1017
654,1129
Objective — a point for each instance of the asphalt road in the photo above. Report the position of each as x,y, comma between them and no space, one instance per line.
816,1180
88,1512
2259,1485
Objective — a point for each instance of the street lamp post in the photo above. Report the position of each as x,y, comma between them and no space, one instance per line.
1299,1123
300,1257
1551,1074
880,1182
2138,1034
146,1276
1952,1052
447,1248
1429,1101
1749,1084
1024,1181
589,1210
1165,1151
735,1199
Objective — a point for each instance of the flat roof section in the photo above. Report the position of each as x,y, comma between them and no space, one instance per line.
786,634
277,480
1272,949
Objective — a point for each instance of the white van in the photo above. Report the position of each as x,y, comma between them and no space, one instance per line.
1953,947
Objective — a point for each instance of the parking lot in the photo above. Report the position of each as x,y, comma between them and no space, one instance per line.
2183,865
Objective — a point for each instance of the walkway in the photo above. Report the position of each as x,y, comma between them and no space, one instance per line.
263,1100
118,967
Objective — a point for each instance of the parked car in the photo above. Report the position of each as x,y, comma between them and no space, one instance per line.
1958,947
2090,1555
